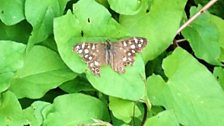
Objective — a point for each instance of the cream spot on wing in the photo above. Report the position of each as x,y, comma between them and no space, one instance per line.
139,45
86,51
77,47
136,40
132,46
125,59
93,47
129,54
90,57
83,45
91,64
86,56
80,51
133,51
88,46
141,40
97,50
124,43
96,63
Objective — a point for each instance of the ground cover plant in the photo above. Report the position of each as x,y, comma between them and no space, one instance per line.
176,80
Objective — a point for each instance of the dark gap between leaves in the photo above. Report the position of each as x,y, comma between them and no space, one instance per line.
69,5
48,97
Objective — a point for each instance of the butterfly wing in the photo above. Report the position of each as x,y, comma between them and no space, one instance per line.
93,54
123,52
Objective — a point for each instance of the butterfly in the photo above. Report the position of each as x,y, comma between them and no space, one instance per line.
116,54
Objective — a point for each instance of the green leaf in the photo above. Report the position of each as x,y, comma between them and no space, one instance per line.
126,7
34,113
94,24
191,90
166,118
219,74
158,23
128,86
19,32
202,35
10,110
41,18
219,25
11,55
124,110
155,84
43,70
74,109
11,11
77,85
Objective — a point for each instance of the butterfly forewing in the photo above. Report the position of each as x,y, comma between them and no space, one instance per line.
93,54
124,52
117,54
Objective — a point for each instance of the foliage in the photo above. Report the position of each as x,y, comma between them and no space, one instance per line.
43,82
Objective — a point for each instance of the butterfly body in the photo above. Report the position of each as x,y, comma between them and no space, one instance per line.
116,54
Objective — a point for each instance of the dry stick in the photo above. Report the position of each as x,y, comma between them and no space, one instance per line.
180,40
205,8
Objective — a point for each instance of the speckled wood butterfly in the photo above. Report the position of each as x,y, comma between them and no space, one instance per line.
116,54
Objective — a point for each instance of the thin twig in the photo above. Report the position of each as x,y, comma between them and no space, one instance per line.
179,40
205,8
133,116
147,104
145,115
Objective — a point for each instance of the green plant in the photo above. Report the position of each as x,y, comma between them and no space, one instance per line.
172,82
